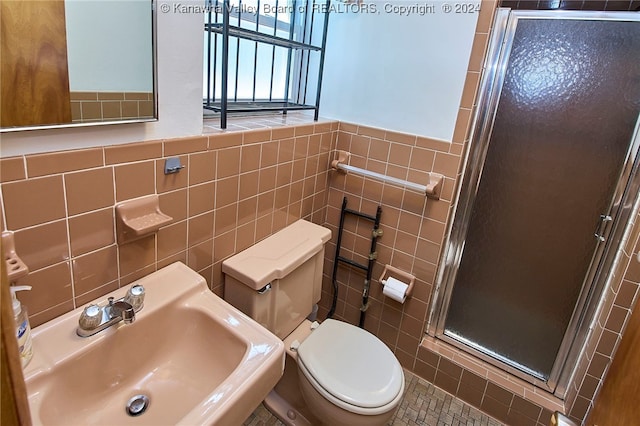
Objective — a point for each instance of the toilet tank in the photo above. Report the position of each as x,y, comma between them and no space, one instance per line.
278,280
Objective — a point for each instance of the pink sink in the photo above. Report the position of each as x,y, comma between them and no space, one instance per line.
197,359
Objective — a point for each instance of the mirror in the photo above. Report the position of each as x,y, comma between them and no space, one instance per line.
67,63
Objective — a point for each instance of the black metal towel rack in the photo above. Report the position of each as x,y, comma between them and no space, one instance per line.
368,268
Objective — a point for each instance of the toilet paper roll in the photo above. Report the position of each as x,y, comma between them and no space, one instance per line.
395,289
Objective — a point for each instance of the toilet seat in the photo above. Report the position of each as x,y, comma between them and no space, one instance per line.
351,368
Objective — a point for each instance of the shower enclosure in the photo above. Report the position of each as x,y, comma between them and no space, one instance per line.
547,191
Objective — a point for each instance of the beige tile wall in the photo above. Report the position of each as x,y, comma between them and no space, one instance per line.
415,229
235,189
108,106
239,187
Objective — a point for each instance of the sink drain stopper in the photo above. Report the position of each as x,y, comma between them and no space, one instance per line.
137,405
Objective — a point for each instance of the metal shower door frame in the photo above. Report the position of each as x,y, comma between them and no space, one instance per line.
626,197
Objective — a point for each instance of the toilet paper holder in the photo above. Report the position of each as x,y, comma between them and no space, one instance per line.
406,277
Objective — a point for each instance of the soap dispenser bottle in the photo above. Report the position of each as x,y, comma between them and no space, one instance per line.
23,331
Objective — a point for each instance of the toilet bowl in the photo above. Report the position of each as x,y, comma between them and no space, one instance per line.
348,376
345,375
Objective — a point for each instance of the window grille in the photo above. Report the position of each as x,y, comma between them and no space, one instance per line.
264,55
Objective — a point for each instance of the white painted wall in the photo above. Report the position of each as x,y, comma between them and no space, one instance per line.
399,72
109,45
179,41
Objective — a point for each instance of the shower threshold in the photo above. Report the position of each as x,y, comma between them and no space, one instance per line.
476,348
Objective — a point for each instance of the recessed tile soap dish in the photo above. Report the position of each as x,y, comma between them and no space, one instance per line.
138,218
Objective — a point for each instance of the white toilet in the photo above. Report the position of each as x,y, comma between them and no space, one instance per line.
335,373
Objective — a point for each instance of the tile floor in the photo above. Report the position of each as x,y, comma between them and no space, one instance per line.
423,404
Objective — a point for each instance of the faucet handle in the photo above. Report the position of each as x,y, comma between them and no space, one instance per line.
135,296
90,318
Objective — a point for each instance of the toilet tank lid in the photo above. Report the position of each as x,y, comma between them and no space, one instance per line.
276,256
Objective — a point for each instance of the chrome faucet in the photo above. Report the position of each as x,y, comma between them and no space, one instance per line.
122,309
96,318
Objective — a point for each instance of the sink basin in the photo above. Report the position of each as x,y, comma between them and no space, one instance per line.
199,360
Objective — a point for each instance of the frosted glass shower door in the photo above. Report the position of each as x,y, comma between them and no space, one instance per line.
562,132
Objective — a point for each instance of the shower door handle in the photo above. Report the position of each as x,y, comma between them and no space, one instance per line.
603,221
